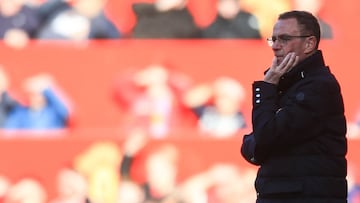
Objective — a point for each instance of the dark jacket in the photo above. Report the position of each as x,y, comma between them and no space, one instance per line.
101,27
244,25
298,136
27,20
7,105
151,23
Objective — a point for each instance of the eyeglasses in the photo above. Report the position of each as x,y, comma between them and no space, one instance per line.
283,39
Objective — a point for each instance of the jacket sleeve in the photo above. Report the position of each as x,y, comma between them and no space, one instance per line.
55,102
248,149
103,28
278,128
7,102
49,7
125,167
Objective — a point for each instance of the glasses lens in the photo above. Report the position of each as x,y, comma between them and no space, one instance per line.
271,41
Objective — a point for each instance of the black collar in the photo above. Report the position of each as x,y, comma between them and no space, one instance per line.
301,70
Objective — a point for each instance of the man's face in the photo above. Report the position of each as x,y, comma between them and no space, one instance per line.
228,8
165,5
288,28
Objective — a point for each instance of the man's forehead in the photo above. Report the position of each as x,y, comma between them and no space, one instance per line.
286,26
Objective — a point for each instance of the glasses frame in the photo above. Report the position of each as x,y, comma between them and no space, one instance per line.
283,39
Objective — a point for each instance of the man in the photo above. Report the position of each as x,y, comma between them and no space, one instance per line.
299,127
18,23
164,19
43,108
76,20
232,22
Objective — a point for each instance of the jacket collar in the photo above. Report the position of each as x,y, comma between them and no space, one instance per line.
301,70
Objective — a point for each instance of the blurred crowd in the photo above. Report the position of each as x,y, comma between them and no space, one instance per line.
136,172
160,100
78,20
155,98
102,174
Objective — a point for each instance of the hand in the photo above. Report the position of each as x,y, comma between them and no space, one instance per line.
276,71
136,140
198,95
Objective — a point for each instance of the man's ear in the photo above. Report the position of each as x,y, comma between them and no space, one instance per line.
310,44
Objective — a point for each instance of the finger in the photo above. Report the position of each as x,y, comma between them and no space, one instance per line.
290,62
293,60
296,61
274,63
293,63
283,65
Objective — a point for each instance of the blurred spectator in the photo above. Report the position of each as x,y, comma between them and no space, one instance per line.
354,194
5,185
71,187
7,103
218,106
353,127
161,165
164,19
80,20
221,183
99,164
18,22
26,190
152,97
44,110
353,130
314,7
266,12
353,183
33,3
130,192
232,22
